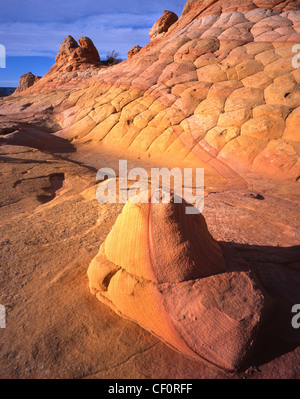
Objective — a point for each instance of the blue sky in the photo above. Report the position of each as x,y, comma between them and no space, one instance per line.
32,30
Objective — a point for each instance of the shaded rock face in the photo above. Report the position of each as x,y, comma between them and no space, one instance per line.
26,81
71,54
134,50
163,270
163,24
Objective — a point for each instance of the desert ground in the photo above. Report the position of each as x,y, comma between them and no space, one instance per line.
216,88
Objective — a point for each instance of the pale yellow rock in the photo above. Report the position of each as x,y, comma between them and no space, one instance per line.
103,128
285,90
292,131
276,111
165,139
211,106
258,81
234,118
241,152
263,128
103,112
248,68
211,73
247,97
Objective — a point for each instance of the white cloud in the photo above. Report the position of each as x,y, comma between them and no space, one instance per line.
9,82
108,32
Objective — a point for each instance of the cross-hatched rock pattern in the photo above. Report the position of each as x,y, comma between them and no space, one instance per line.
220,87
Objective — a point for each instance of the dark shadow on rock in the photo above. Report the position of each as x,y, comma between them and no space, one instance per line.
79,163
6,159
56,183
278,270
39,139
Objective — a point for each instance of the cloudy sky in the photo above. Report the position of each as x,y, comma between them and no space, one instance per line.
32,30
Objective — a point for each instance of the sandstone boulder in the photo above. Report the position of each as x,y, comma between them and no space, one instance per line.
26,81
163,270
134,50
71,54
163,24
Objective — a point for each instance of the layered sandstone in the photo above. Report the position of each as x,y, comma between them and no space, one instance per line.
162,269
218,89
134,50
26,81
72,55
163,24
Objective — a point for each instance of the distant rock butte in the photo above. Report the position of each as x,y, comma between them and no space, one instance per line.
163,270
72,55
26,81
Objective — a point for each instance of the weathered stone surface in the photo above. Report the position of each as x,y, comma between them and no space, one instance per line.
218,90
73,224
26,81
134,50
223,48
163,24
71,54
162,269
292,131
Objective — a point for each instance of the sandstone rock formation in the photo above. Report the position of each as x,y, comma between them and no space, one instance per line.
71,55
162,269
26,81
163,24
134,50
219,90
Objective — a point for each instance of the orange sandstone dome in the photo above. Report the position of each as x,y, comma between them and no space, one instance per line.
163,270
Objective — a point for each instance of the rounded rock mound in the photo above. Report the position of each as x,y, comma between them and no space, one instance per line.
163,270
163,24
27,80
72,55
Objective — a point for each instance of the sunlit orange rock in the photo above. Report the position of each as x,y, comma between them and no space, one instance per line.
163,270
134,50
218,83
163,24
26,81
71,54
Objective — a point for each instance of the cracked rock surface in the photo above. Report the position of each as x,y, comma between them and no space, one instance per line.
218,91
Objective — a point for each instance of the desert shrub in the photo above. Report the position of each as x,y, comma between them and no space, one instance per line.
112,58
